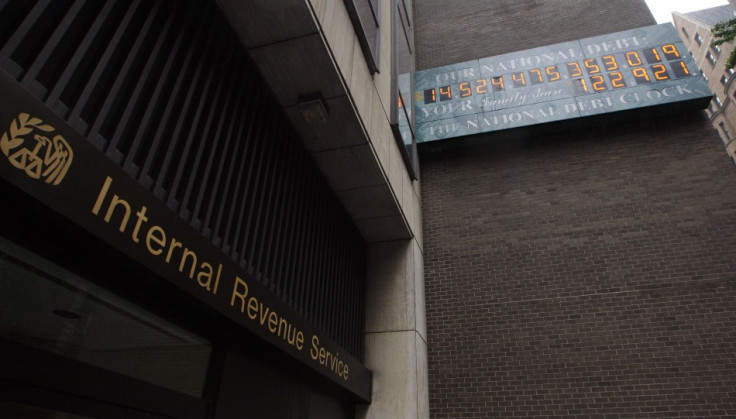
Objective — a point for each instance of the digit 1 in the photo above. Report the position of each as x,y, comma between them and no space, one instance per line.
656,54
430,96
580,86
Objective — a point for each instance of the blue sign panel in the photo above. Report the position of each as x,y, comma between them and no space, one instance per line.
633,69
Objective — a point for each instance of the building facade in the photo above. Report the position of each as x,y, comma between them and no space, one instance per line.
694,29
209,209
581,271
217,209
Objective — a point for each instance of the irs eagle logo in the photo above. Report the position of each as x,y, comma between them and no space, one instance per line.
28,147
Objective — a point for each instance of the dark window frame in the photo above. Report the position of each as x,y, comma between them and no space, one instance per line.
400,18
711,59
371,55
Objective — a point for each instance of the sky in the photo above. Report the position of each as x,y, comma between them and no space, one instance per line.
662,9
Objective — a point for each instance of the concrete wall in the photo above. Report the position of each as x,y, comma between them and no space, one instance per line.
588,274
303,47
396,344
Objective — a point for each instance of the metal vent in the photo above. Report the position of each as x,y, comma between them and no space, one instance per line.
165,90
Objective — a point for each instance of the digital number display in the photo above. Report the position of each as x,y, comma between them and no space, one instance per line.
445,93
670,52
641,76
429,96
580,86
630,69
610,63
552,73
660,72
497,83
535,76
598,83
633,58
680,69
616,79
591,65
635,61
574,70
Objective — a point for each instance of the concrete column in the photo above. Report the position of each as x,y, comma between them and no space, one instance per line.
396,344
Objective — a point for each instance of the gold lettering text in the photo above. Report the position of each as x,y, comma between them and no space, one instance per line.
157,236
204,277
101,196
240,291
141,214
193,257
114,203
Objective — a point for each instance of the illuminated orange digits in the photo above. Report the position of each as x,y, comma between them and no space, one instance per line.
480,86
592,66
598,82
535,76
617,80
632,57
609,62
445,93
640,74
580,86
656,54
660,72
552,73
497,83
670,51
519,79
429,96
465,89
574,69
684,68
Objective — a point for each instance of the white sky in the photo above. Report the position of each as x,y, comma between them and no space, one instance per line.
662,9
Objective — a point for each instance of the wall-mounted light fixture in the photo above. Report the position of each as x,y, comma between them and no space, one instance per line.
313,108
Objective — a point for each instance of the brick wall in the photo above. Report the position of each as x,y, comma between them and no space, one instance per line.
448,32
590,273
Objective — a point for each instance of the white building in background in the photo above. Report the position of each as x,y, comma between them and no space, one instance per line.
694,29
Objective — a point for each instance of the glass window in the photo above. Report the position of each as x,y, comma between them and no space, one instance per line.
365,16
684,32
724,79
698,39
711,59
402,120
48,307
726,132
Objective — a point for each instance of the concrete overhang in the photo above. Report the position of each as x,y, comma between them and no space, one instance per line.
288,42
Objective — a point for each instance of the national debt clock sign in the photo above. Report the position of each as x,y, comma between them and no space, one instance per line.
634,69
